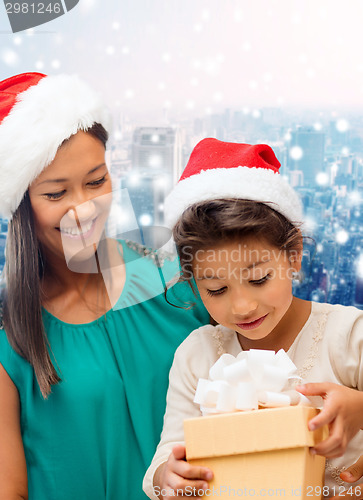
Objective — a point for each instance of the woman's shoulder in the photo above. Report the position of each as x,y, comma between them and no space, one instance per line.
14,364
156,256
150,273
1,313
18,369
151,263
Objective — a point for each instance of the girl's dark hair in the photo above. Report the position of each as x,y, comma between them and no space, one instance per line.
25,267
208,224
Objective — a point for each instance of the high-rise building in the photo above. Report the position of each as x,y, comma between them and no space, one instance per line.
156,160
147,193
3,225
296,178
358,296
2,250
306,153
157,151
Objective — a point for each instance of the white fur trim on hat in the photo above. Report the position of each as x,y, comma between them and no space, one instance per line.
43,117
258,184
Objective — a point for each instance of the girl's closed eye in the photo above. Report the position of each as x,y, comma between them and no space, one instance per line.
262,280
216,292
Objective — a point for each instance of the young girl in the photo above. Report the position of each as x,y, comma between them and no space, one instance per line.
236,227
86,335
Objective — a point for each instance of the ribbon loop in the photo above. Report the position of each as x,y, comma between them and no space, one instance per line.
254,378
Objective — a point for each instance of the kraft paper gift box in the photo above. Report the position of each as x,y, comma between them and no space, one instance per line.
258,453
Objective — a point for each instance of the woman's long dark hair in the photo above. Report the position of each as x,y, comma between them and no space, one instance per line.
25,267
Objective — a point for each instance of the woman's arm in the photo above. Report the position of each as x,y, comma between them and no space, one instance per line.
13,475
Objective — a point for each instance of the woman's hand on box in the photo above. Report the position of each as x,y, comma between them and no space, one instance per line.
178,478
342,412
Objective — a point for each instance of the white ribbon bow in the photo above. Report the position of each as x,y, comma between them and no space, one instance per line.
254,378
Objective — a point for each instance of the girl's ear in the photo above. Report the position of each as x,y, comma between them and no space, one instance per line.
295,255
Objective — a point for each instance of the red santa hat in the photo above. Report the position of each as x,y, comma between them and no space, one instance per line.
219,170
37,113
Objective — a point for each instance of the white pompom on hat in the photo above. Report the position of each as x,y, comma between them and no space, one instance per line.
220,170
37,113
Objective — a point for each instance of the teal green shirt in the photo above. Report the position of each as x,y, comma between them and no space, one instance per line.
96,434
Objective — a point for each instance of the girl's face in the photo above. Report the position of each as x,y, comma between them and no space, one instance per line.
246,286
71,199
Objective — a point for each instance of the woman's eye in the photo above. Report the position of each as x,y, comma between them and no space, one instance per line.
54,196
217,292
261,281
98,182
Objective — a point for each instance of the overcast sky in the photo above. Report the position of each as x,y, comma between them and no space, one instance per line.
200,56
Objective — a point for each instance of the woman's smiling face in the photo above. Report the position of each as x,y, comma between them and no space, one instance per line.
71,199
246,286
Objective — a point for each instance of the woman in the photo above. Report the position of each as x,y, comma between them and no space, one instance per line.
88,336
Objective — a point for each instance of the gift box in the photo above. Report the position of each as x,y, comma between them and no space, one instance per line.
258,453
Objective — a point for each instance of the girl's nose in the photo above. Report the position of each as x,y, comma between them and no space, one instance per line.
243,304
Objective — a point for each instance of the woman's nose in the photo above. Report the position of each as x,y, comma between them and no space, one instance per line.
82,211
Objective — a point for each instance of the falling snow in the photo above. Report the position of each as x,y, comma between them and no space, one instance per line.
9,57
342,125
296,153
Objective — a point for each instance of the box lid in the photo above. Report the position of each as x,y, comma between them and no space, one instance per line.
251,431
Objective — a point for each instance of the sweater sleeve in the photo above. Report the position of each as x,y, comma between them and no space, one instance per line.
347,351
192,361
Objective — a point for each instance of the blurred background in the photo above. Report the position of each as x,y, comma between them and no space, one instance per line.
288,73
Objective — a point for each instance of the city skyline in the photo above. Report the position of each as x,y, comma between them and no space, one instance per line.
143,160
332,193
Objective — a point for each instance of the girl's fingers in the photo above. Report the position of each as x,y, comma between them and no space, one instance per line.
335,444
325,417
188,471
184,469
354,472
180,486
314,389
179,452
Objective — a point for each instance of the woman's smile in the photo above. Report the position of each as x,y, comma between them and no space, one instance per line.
84,231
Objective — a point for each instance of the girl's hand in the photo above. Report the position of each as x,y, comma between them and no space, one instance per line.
351,475
342,412
354,472
178,477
